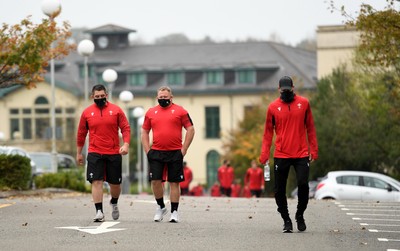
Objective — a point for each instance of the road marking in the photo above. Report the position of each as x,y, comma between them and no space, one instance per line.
103,228
375,210
382,225
148,201
382,231
374,219
6,205
386,215
384,239
363,206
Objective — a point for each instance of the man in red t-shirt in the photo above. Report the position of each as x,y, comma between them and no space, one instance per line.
226,176
166,121
102,121
254,179
187,172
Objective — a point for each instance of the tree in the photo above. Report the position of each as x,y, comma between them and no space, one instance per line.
26,49
176,38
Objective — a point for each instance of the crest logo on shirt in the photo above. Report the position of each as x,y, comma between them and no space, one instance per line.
111,112
92,114
299,105
155,112
172,111
279,108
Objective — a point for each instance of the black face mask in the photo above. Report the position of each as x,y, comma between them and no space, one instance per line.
164,102
100,102
287,96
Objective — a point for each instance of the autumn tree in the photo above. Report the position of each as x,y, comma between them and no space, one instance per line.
26,49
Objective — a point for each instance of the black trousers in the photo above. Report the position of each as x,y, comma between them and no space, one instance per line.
281,173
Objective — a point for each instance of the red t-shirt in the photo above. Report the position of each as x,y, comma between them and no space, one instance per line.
188,177
225,176
166,124
103,125
254,178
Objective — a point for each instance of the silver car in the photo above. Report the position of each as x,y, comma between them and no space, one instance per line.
358,185
43,162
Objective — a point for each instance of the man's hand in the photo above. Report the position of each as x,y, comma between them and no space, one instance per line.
124,149
79,158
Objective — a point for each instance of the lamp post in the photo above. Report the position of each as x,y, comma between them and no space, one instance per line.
85,49
138,113
52,8
126,97
110,76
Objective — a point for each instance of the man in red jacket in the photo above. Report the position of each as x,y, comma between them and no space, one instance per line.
187,173
104,161
254,179
291,119
226,176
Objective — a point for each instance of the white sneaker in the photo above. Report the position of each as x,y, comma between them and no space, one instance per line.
160,214
99,216
115,211
174,217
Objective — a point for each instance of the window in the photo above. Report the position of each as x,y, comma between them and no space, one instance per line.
33,123
212,123
91,71
213,160
348,180
137,79
374,182
246,76
215,77
175,78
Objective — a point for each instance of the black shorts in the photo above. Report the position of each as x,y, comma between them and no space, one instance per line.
106,167
172,160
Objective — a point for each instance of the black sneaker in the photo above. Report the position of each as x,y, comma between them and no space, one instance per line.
287,226
301,224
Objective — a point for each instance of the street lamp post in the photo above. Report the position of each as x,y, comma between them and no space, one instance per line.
85,49
126,97
52,8
138,113
110,76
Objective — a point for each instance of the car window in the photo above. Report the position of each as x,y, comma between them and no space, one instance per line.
376,183
348,180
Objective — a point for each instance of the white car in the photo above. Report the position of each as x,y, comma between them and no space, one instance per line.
358,185
43,162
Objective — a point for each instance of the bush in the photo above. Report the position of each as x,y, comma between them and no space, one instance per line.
73,180
15,172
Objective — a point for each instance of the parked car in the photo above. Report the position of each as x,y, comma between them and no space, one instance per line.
358,185
43,162
312,184
13,150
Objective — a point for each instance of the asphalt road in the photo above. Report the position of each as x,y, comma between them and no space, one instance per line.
63,221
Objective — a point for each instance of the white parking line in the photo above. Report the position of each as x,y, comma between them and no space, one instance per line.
368,219
382,231
363,206
382,225
385,215
375,210
384,239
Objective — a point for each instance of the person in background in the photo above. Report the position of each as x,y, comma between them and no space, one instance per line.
197,190
254,179
236,189
102,120
290,117
187,172
226,176
215,190
166,121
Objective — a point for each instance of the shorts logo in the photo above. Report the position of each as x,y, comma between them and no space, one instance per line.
91,175
181,177
151,175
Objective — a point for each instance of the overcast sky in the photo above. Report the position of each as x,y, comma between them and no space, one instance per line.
291,20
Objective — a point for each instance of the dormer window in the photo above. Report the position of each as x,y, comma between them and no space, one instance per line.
137,79
175,78
215,77
246,76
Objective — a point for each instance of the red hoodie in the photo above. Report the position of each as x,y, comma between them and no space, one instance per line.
225,176
254,178
293,124
103,125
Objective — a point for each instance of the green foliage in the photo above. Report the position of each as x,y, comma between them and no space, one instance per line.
73,180
15,172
